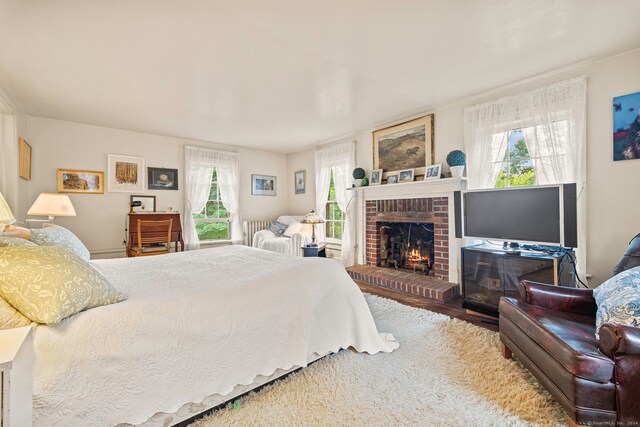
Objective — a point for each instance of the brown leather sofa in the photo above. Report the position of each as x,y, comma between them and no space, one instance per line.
551,330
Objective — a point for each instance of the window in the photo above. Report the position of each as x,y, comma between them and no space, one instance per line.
333,215
213,222
517,166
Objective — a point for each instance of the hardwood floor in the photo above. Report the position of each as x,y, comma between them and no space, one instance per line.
452,308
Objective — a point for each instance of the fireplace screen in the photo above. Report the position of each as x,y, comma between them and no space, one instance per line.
407,245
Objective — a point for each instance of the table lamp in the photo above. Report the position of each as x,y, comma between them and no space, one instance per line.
6,216
313,218
52,205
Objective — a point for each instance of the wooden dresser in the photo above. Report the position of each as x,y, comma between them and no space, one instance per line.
176,228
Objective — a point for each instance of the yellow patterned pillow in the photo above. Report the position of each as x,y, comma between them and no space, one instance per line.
10,317
48,284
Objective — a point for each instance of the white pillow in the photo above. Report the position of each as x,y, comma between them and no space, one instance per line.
294,228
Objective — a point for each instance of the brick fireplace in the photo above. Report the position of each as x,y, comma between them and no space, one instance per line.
431,213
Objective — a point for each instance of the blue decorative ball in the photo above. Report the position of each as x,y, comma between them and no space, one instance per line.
456,158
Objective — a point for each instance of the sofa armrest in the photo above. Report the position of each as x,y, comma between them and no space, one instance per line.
622,345
619,339
559,298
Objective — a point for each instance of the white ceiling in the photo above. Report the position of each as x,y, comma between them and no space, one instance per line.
285,74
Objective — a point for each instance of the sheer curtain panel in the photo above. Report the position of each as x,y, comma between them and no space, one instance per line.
553,121
339,159
228,169
199,164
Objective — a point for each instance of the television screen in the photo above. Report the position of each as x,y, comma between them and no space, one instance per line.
519,214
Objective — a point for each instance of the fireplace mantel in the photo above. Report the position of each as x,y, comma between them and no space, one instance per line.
444,187
401,190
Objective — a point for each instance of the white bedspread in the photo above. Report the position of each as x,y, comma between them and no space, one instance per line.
195,324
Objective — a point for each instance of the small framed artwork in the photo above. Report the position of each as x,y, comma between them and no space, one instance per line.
376,177
162,179
148,203
406,175
626,127
80,181
300,180
24,154
432,172
264,185
392,178
125,173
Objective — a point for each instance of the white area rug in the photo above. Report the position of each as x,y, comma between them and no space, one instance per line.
446,372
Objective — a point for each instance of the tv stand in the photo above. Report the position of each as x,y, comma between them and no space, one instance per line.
490,272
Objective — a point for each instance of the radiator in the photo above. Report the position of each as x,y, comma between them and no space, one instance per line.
249,228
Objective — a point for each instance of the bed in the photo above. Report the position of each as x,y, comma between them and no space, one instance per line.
197,329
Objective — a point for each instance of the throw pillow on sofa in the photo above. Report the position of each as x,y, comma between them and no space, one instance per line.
277,228
618,300
54,235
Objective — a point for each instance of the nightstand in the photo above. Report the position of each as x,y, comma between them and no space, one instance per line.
16,361
318,251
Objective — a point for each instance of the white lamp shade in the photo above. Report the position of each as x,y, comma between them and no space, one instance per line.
49,204
6,216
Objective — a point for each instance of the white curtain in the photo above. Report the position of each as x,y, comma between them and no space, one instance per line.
553,121
199,163
339,159
199,166
228,169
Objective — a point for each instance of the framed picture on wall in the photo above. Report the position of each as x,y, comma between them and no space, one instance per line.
147,203
80,181
407,145
24,154
626,127
264,185
125,174
300,180
162,179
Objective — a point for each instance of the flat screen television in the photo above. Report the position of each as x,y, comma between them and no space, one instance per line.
541,214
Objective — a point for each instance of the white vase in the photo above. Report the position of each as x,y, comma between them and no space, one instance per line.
358,182
456,171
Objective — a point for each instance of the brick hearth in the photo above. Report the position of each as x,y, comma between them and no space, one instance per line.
405,281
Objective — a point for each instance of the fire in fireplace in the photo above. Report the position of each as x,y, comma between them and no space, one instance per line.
407,245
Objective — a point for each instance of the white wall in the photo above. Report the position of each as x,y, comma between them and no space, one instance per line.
100,222
612,202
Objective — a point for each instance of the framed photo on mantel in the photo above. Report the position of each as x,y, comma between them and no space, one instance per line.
408,145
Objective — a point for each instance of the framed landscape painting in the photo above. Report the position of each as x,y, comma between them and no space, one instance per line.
408,145
162,179
125,173
263,185
80,181
626,127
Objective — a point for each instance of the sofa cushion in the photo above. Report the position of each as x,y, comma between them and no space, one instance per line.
618,300
568,338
